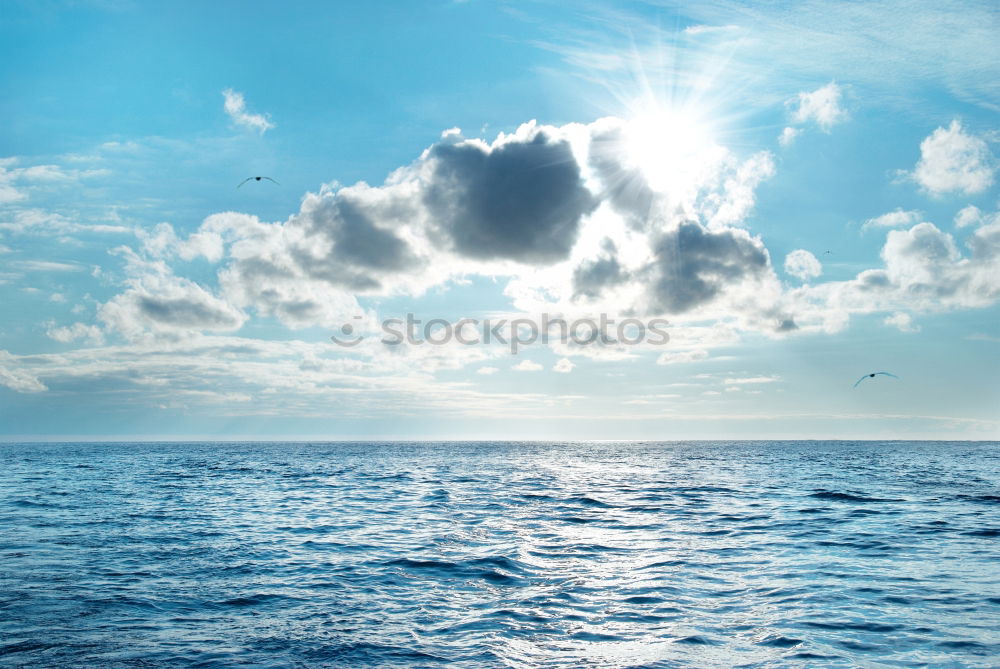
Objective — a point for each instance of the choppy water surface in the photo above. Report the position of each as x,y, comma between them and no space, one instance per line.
759,554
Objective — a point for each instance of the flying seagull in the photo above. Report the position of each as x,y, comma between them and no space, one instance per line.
874,374
256,179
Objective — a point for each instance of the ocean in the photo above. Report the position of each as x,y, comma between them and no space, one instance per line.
569,554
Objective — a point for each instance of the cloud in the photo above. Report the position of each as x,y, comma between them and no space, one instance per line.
487,371
952,160
158,301
40,221
520,199
924,271
224,375
821,106
527,366
162,241
8,191
682,356
527,206
45,266
16,183
788,136
751,379
694,266
165,305
702,181
16,379
886,49
607,238
76,331
235,107
968,216
902,321
803,265
895,218
591,277
563,366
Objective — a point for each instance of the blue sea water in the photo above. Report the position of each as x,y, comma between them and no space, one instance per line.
695,554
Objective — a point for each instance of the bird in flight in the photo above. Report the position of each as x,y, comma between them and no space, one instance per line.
873,375
256,179
825,252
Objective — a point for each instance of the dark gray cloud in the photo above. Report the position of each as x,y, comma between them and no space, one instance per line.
186,312
591,277
694,265
873,280
523,200
343,245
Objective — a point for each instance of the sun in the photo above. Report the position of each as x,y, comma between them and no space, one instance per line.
672,148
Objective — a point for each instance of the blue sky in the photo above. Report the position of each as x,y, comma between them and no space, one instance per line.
499,160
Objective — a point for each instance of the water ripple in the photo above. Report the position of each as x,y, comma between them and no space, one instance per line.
472,555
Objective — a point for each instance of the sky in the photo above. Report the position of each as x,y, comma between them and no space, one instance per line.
796,194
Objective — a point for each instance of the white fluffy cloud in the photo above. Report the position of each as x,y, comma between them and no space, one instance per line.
573,223
968,216
527,366
953,161
803,265
563,366
157,301
788,136
565,212
924,272
974,217
236,108
893,219
821,106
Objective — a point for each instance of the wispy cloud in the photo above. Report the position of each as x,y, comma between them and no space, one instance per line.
236,107
46,266
682,356
887,49
751,379
16,183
